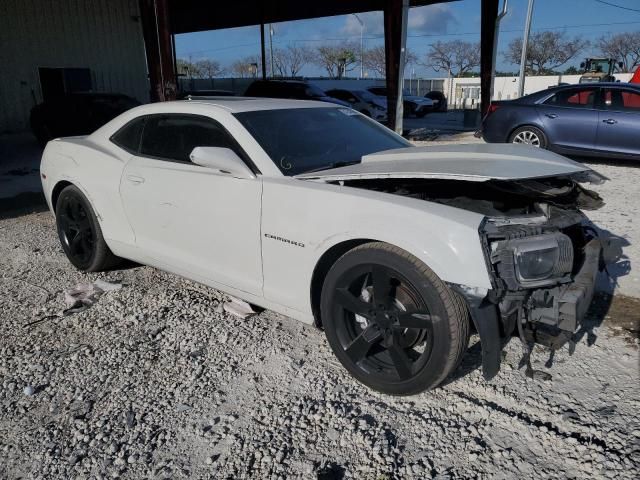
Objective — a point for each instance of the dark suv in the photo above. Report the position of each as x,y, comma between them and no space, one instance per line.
77,114
296,89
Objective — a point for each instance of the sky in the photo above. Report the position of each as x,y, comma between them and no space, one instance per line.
590,19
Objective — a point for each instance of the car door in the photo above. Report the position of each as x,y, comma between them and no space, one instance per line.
619,123
188,217
570,119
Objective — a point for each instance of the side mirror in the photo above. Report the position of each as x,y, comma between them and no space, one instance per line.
225,160
583,65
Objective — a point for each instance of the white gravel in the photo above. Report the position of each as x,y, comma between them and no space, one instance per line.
156,381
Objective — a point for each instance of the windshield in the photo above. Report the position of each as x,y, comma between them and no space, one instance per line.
366,96
299,140
599,66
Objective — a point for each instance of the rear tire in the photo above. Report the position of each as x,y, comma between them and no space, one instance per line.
80,233
403,342
529,135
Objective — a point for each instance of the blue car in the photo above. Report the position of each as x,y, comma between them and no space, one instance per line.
589,120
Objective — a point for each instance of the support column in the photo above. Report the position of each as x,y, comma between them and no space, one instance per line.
262,53
487,42
395,39
157,43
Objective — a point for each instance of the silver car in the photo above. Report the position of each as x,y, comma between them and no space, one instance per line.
362,101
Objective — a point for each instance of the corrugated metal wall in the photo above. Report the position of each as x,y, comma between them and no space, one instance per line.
102,35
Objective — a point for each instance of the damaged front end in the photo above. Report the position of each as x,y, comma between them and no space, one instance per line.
544,265
541,251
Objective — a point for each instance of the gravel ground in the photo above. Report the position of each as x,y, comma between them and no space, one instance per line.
156,381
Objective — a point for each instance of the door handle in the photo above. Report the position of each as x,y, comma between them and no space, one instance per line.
551,115
135,179
610,121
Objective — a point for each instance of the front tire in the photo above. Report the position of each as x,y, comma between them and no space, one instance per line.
529,135
80,233
392,323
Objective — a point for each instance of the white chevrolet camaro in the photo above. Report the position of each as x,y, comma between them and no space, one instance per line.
317,212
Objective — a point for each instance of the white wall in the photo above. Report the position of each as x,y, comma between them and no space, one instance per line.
102,35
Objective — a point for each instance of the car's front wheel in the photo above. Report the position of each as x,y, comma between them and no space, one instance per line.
392,323
80,233
529,135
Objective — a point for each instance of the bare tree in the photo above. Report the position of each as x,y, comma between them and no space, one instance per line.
374,60
546,51
246,67
208,69
623,47
456,57
290,60
337,60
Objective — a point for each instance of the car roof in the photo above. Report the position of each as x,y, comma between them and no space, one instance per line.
235,104
294,82
594,84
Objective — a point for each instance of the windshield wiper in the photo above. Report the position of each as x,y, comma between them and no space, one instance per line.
331,165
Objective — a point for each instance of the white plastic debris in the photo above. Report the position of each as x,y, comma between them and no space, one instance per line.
29,390
84,295
107,286
239,308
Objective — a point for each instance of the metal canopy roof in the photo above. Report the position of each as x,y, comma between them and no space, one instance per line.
198,15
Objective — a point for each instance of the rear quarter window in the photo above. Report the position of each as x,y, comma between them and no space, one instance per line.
128,137
573,98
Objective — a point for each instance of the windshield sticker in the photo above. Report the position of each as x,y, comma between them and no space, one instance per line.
348,111
284,164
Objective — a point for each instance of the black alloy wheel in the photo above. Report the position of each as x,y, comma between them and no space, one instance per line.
386,322
385,328
75,230
80,233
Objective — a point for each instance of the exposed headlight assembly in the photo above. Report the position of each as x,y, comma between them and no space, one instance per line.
533,261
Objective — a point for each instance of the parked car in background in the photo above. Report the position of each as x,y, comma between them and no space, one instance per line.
589,119
77,114
439,100
413,105
365,102
205,93
295,89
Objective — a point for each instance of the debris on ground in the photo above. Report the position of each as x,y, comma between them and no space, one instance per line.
238,308
84,295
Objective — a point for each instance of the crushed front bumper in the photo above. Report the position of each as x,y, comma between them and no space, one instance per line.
548,315
563,307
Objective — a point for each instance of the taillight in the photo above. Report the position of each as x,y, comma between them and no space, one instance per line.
492,108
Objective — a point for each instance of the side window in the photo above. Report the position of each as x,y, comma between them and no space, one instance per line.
173,137
622,100
128,137
573,98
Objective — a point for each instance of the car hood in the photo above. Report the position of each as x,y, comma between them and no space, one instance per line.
416,99
472,162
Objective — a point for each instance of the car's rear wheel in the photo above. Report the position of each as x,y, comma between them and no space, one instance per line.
529,136
80,233
392,323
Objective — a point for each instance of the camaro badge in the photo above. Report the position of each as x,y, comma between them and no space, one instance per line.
285,240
